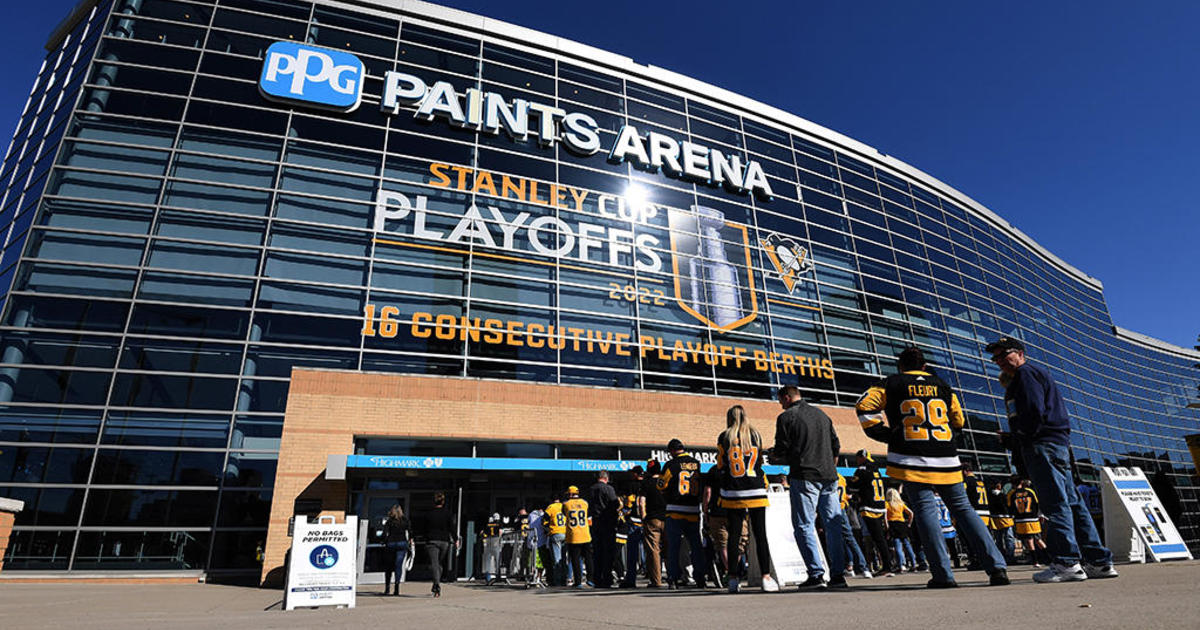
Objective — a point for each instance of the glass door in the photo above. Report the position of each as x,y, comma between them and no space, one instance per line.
373,555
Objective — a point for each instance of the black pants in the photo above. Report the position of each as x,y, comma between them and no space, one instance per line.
758,529
437,551
604,546
578,553
879,539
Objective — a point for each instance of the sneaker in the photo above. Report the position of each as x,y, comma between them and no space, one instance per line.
838,583
866,574
1100,571
735,585
941,584
999,578
1060,573
922,567
816,583
769,585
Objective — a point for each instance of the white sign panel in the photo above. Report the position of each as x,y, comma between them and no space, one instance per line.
322,568
787,563
1130,502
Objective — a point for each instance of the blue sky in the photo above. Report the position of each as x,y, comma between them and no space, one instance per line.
1076,122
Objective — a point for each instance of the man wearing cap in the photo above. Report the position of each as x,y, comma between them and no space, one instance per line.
682,486
806,440
1041,435
868,487
917,414
579,536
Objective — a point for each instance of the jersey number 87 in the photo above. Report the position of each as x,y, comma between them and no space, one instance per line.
740,462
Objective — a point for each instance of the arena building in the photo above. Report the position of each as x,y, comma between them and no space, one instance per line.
276,257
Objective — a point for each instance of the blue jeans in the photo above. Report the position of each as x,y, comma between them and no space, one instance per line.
966,520
559,573
900,544
633,554
810,500
675,528
1006,541
401,550
852,549
1070,533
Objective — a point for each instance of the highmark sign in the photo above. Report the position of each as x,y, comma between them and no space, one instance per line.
332,79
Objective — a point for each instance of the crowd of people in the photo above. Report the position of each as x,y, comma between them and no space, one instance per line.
929,513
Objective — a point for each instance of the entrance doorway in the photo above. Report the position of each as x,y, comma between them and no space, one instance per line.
373,556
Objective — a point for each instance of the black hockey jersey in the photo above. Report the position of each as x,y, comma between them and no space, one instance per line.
917,415
681,484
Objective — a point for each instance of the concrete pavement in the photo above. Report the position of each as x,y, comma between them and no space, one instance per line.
1145,596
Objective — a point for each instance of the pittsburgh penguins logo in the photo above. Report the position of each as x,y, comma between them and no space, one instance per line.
789,258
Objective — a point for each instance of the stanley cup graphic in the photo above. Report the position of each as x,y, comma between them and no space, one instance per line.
712,278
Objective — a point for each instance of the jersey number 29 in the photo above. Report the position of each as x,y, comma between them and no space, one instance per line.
932,413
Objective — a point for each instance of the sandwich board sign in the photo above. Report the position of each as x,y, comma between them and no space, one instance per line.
1131,504
787,563
322,570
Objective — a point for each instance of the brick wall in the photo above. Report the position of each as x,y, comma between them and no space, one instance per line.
6,525
327,408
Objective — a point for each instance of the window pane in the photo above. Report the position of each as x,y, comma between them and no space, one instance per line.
175,468
251,470
90,248
151,508
44,464
210,258
188,321
182,392
166,429
172,287
39,550
104,186
124,550
71,280
181,356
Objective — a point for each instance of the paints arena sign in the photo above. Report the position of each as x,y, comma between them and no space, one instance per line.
332,79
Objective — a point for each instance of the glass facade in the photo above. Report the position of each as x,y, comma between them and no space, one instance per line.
175,243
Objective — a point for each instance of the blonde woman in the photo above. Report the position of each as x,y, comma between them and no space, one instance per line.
744,493
899,519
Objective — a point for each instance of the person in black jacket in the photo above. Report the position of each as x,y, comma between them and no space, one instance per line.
440,534
806,440
604,504
398,535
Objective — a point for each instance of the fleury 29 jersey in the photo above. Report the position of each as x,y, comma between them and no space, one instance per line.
743,484
681,484
917,414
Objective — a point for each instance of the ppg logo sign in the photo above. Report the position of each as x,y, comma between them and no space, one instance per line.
296,73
